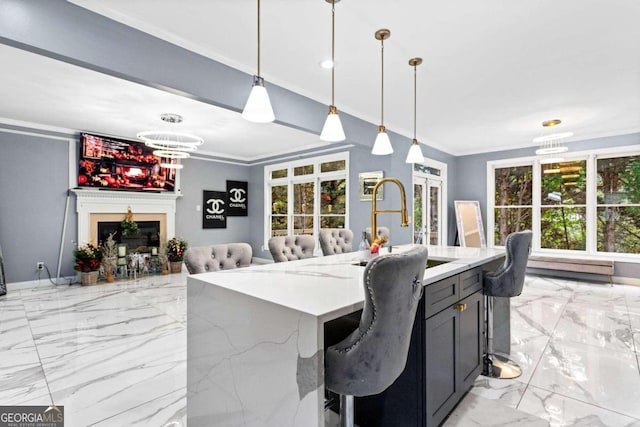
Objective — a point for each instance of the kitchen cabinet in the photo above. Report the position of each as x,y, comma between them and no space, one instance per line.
444,359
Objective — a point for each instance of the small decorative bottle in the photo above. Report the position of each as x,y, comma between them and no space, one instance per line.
364,254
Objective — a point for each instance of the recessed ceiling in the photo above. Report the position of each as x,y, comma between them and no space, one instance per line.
43,91
493,71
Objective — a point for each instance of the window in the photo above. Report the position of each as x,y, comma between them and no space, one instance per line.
307,195
588,203
563,206
618,204
512,201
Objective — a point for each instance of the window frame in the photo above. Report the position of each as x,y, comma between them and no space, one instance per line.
591,157
316,177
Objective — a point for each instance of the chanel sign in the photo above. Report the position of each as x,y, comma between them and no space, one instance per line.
237,198
214,212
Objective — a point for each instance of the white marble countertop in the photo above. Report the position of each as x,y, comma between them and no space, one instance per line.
331,286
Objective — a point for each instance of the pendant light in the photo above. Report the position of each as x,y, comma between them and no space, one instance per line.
382,145
415,153
551,143
258,107
332,130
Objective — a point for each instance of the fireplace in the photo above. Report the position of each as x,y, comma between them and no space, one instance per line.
95,207
148,235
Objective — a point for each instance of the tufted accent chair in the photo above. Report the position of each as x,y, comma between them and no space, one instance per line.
336,241
201,259
382,231
290,248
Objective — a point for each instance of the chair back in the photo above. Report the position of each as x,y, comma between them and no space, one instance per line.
290,248
369,360
382,232
201,259
336,241
508,280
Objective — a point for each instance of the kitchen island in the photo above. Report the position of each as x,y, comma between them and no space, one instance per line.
255,335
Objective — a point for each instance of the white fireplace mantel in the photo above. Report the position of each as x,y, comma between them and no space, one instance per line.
90,202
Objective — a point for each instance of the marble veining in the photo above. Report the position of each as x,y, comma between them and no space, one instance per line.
115,355
577,343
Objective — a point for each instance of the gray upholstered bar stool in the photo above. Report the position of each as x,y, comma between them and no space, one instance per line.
369,360
290,248
506,282
336,241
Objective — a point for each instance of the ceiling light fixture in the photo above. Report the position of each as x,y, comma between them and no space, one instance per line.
171,165
382,145
169,145
415,153
258,107
171,154
332,130
551,142
165,140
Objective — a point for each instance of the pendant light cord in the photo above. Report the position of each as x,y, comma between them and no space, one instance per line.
415,98
333,50
258,38
382,84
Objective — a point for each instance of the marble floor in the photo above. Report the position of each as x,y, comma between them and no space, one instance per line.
115,355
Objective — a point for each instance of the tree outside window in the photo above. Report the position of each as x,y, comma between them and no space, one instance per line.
307,196
513,201
563,206
618,204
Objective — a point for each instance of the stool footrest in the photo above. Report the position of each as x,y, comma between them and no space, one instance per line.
498,365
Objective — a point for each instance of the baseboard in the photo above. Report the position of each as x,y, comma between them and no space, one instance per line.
41,283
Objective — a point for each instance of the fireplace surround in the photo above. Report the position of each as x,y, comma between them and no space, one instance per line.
93,206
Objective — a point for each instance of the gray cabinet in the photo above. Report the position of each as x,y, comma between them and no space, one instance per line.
444,359
453,348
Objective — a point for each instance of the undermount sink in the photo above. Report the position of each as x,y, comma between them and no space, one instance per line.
435,262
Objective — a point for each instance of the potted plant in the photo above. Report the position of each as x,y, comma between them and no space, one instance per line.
175,254
128,226
110,258
88,259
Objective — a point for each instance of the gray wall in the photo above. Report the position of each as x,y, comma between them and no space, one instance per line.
34,179
196,176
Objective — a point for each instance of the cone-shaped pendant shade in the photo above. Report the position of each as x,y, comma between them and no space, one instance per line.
258,107
382,146
332,130
415,153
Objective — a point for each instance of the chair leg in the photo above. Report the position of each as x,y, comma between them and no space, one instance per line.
346,411
496,365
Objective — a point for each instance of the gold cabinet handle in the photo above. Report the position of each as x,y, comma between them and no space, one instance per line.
460,307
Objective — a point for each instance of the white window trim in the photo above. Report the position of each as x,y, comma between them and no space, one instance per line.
591,157
442,178
315,177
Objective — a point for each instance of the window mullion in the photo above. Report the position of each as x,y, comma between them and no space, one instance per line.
592,208
536,208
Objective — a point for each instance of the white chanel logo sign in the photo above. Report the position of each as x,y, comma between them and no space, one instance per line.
216,206
237,195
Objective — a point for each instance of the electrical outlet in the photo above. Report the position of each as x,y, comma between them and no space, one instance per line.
40,265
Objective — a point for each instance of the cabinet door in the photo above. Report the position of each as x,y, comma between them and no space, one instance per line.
441,370
471,339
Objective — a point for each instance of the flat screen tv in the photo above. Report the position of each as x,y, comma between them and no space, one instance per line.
117,164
